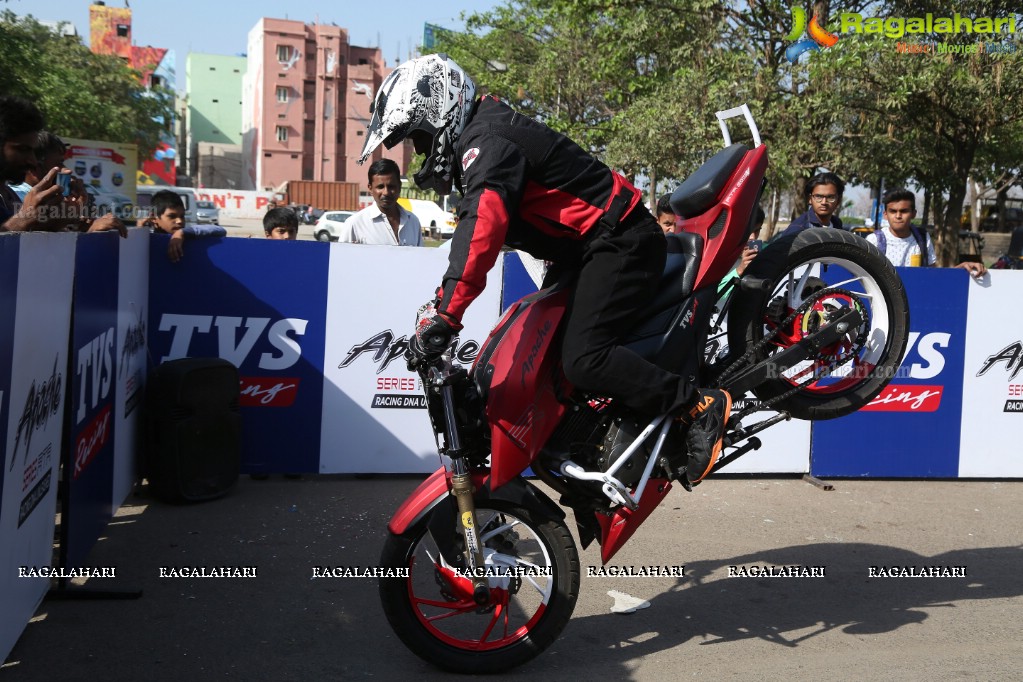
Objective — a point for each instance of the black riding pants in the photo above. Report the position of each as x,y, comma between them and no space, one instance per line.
619,273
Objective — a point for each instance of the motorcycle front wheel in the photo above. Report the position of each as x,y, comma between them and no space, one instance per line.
532,568
858,276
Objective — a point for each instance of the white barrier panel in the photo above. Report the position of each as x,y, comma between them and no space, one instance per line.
132,317
993,380
374,417
35,418
235,203
785,447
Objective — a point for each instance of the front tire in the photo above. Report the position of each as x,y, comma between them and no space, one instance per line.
432,610
323,236
799,266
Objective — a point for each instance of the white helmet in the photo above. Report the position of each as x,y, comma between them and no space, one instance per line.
432,94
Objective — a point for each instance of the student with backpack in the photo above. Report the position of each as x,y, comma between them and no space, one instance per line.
905,244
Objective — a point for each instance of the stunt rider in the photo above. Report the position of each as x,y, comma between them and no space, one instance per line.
531,188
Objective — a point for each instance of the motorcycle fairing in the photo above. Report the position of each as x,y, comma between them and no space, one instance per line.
517,373
617,528
726,225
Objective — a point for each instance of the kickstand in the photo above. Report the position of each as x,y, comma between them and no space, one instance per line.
814,481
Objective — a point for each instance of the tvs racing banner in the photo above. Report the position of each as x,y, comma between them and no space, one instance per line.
259,304
911,430
89,465
36,272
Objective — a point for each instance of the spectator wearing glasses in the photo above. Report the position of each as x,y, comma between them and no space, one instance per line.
823,197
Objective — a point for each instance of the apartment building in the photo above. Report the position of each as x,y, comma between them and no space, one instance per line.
305,105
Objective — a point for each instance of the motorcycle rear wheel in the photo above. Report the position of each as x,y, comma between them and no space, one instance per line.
432,610
799,266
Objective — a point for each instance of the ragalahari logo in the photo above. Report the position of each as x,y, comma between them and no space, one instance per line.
819,38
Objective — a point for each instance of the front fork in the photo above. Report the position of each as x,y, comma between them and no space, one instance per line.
463,490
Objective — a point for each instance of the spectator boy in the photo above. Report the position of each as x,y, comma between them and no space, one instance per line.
385,222
823,198
665,216
903,243
168,216
281,223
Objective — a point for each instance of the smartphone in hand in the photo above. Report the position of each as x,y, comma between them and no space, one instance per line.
755,244
64,180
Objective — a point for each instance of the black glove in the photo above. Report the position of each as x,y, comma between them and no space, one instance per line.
432,337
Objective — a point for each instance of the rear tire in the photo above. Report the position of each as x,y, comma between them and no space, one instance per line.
850,263
425,610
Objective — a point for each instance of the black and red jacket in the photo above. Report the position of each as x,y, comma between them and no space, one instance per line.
526,186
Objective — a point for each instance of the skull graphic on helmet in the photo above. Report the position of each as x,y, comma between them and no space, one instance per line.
431,94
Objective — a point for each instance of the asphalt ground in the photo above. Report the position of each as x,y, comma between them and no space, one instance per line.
284,625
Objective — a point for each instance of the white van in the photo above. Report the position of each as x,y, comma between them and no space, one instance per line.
432,218
145,200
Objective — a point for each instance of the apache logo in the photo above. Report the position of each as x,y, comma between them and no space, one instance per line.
527,367
386,349
819,37
134,341
1011,355
41,404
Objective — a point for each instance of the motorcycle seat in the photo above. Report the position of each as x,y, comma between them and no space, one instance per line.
701,189
677,281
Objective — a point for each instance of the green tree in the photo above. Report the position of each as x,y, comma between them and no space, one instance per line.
935,120
81,94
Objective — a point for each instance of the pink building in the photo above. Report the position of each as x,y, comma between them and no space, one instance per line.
305,105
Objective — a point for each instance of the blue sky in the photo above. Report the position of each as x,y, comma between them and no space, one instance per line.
223,27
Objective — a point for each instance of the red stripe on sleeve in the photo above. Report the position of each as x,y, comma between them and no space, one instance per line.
487,239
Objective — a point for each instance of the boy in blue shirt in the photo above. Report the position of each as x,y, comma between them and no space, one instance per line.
169,217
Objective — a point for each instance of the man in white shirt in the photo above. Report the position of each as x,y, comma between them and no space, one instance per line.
385,222
904,244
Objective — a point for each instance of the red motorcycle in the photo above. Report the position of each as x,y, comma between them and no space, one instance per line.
814,330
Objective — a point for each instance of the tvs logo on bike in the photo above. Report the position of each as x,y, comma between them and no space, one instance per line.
916,397
818,37
1012,357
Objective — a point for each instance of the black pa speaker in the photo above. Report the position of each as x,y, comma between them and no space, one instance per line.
194,451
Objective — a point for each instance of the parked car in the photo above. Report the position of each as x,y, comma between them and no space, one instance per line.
111,202
207,212
434,220
328,227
